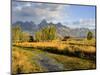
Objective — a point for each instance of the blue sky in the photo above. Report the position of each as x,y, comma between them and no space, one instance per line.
74,16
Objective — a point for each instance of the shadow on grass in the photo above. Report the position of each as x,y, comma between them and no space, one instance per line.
75,53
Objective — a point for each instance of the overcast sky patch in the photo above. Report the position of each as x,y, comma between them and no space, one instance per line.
71,15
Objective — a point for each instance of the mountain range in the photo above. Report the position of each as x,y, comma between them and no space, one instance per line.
62,30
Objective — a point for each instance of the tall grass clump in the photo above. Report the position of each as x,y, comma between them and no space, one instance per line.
22,62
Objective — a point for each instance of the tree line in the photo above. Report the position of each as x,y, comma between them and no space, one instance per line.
47,33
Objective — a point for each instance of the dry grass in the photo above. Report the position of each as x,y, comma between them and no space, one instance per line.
22,62
79,48
74,63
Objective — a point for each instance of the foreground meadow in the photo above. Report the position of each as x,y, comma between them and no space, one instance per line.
29,57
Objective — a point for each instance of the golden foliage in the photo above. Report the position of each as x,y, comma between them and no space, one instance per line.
22,62
84,45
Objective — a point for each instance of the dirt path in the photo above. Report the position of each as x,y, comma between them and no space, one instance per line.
48,62
43,59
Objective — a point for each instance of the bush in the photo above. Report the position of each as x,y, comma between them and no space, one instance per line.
89,35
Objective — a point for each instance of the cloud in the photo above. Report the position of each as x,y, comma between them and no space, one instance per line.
37,11
87,21
30,11
20,5
83,23
47,14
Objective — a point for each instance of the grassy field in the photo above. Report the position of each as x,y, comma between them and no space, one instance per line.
29,57
82,48
22,61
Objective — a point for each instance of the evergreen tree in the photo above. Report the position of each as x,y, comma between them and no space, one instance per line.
89,35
